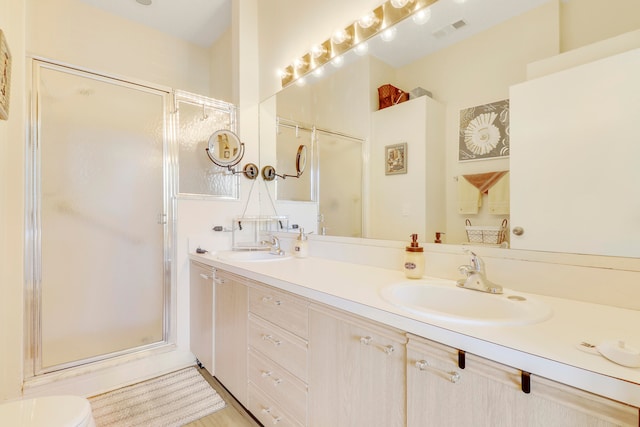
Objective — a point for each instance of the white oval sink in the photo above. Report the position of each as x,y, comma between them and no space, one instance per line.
443,300
261,256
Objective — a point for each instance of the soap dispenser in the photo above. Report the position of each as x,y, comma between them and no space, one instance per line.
414,259
301,247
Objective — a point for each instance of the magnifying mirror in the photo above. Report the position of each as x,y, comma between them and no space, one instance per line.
301,160
225,149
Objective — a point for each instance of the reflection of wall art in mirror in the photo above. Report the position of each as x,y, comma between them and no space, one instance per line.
484,131
395,159
5,77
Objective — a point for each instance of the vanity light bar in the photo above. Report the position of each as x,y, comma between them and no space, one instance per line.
379,19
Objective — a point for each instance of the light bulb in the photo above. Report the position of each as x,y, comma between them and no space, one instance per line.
368,20
318,72
399,3
339,36
282,74
422,16
389,34
318,50
361,49
337,61
298,63
301,81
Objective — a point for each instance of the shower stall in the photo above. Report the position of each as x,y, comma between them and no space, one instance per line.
103,164
99,219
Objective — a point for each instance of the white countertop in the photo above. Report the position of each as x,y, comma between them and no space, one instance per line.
548,349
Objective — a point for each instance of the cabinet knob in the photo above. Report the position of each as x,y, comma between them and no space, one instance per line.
206,276
265,374
389,349
277,381
518,231
365,340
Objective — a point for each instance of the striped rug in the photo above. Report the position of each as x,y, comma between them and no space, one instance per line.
171,400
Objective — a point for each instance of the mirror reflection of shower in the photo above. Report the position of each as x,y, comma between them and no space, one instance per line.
326,153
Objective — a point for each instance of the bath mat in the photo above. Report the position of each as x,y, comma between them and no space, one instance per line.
171,400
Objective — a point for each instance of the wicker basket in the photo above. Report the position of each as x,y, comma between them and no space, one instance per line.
486,233
389,95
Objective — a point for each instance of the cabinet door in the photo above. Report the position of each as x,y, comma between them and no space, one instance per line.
490,394
574,159
356,371
201,313
231,334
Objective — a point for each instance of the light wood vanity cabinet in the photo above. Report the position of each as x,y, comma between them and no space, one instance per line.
277,364
356,371
490,394
231,306
296,363
201,313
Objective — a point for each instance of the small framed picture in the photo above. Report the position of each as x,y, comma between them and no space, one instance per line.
5,77
395,159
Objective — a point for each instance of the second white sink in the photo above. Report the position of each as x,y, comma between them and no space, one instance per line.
442,300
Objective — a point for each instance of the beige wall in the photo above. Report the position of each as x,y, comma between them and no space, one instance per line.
221,68
12,23
583,22
79,34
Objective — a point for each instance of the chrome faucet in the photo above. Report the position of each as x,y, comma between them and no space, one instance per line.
475,276
274,245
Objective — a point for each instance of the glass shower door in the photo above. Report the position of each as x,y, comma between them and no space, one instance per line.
101,281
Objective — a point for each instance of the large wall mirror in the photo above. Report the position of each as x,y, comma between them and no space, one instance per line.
467,54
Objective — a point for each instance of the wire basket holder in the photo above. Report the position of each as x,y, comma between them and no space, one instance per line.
486,233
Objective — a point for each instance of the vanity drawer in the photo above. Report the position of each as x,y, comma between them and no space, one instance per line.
267,411
285,310
275,381
284,348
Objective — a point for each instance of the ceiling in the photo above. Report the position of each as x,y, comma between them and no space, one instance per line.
203,21
198,21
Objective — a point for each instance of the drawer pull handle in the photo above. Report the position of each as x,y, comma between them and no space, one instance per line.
277,381
276,420
452,376
218,281
206,276
388,349
272,340
265,374
267,299
266,410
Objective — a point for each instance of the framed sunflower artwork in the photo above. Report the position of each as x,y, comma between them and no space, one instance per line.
484,131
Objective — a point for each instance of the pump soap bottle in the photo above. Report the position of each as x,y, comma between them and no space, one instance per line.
300,247
414,259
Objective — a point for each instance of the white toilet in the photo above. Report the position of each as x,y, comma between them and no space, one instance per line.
51,411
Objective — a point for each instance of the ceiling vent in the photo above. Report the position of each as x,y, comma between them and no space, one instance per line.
449,28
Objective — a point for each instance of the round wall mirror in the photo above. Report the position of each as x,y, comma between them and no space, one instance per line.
301,159
224,148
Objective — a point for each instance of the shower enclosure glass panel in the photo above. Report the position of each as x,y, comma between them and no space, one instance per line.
198,117
340,209
101,275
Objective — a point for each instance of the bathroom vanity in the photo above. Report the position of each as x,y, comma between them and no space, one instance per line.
312,342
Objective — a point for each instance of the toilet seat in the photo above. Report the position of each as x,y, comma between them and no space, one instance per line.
58,411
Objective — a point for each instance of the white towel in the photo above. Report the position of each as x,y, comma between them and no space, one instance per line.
469,197
498,198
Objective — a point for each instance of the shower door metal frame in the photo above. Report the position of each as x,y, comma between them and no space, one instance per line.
32,248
